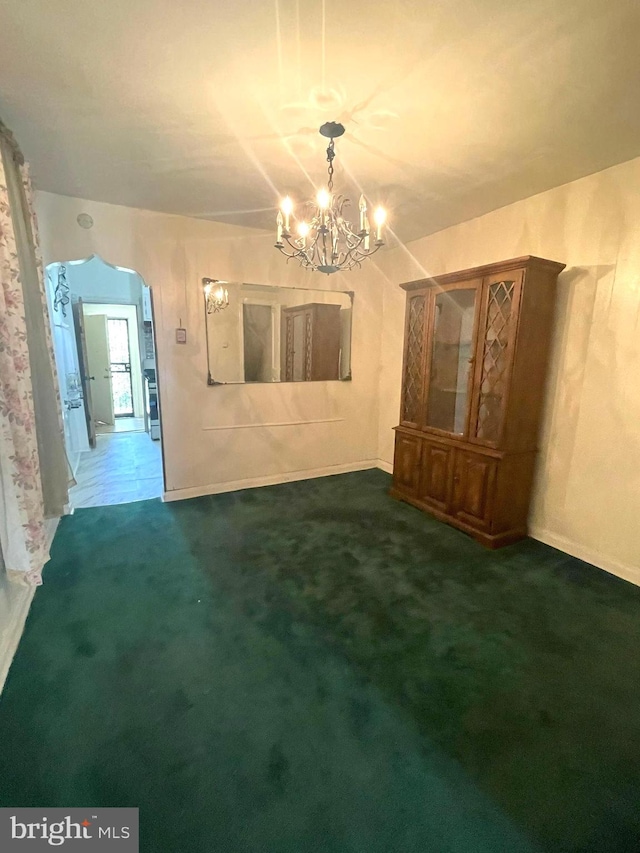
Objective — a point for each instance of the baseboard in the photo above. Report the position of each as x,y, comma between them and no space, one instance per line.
589,555
271,480
19,606
385,466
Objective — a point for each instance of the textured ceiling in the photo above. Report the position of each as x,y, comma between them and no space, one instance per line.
211,109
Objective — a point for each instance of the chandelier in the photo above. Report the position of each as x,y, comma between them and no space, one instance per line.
216,295
324,240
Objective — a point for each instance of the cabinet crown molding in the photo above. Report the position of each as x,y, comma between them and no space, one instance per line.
486,269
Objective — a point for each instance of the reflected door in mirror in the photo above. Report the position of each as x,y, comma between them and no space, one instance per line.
300,344
311,336
257,327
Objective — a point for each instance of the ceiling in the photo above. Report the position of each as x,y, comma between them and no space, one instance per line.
211,109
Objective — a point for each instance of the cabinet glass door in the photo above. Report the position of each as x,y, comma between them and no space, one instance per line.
451,358
499,325
412,385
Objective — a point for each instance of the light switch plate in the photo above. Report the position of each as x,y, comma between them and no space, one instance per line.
181,336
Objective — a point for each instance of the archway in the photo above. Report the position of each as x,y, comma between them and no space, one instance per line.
104,339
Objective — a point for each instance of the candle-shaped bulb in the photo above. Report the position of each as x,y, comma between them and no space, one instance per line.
303,231
380,217
324,199
279,224
287,208
362,205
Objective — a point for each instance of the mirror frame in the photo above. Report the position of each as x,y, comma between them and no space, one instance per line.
214,382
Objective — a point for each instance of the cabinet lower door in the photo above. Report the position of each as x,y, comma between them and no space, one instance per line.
406,464
473,488
435,475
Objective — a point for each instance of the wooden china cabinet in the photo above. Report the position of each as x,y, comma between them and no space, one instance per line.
475,359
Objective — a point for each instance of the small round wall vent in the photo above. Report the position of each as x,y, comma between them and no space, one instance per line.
84,220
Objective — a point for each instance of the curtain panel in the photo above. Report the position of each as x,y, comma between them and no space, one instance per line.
33,466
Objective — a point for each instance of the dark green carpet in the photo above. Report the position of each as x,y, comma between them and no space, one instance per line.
316,667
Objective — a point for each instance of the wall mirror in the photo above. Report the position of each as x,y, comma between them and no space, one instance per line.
260,333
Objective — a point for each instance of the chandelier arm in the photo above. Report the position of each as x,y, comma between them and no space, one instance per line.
353,241
284,252
296,247
350,260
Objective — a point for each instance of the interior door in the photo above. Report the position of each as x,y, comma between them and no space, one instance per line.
67,362
98,357
85,374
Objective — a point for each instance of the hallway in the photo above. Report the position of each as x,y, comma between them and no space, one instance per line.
124,467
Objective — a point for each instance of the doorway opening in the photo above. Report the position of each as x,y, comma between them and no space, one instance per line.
120,366
104,343
114,363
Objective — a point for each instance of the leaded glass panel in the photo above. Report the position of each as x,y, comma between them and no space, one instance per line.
495,360
413,361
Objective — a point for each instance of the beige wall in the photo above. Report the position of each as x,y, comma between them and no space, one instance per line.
215,436
587,495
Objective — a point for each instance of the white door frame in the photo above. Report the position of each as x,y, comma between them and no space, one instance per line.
275,332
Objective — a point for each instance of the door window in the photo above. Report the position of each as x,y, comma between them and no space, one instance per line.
120,366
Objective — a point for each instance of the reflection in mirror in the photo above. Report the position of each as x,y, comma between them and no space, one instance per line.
278,334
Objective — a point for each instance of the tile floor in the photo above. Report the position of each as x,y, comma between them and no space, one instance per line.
124,467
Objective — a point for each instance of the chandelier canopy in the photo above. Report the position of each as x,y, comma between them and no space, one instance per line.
324,240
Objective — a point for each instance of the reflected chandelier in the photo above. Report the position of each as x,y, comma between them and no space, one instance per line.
216,295
325,240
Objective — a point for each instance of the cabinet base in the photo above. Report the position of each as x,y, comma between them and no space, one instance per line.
489,540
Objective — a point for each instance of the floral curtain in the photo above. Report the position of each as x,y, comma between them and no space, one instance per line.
33,467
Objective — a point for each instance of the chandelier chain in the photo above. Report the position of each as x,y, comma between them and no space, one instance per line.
330,155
